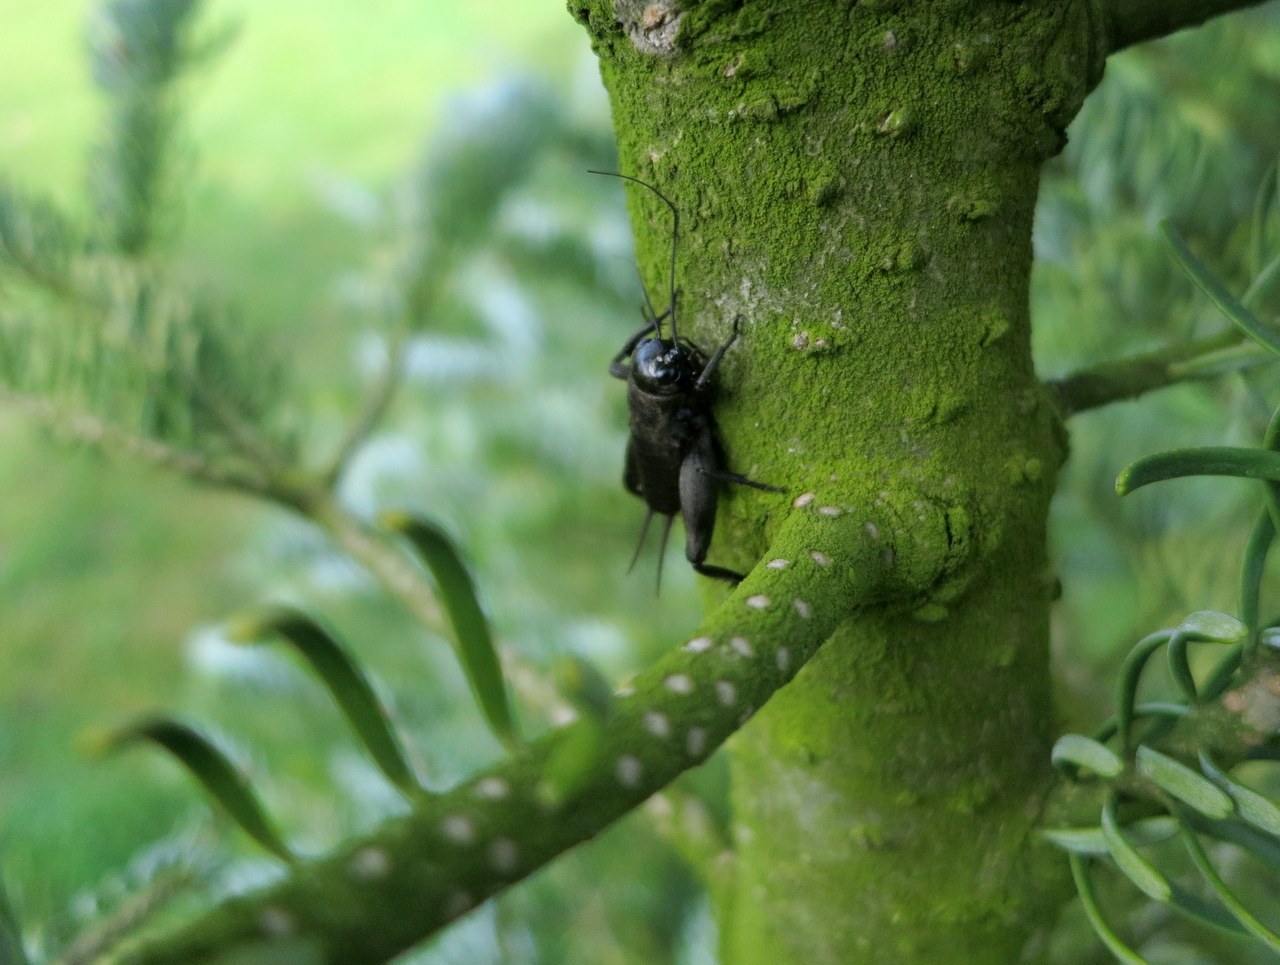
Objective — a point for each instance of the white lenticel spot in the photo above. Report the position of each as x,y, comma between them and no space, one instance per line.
459,903
493,788
873,530
627,691
699,645
503,854
784,659
629,771
819,557
657,724
727,692
802,608
696,742
829,510
758,602
777,564
679,683
276,923
746,715
562,714
804,500
370,863
660,806
458,828
742,647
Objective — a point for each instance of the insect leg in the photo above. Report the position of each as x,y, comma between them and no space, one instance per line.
698,505
725,476
616,367
714,363
631,472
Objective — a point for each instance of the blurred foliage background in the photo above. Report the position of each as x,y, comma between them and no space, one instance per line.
305,147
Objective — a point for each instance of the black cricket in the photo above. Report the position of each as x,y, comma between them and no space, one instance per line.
674,460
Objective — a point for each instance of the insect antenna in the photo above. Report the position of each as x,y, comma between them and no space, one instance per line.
644,531
646,310
675,241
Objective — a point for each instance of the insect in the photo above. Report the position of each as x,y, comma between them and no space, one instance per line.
674,459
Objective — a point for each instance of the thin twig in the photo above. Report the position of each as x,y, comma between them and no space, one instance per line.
1131,22
245,436
1131,377
375,407
93,431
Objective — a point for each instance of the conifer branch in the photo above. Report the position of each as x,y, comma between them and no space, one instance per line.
453,851
89,430
139,49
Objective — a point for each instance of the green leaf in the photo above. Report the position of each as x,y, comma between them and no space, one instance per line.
1089,899
1261,846
1241,914
1262,204
1210,626
343,679
12,951
1227,303
1250,805
1261,538
1192,906
1151,882
1107,729
1219,679
1134,866
229,789
1081,751
1092,842
1203,626
1180,665
1206,461
1128,679
1182,782
35,238
470,628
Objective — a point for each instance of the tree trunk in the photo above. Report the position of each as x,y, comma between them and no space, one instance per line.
857,181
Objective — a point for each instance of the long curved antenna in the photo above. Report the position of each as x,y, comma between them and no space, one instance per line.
675,238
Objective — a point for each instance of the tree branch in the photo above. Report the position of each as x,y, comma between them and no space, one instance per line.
375,407
101,434
1121,379
453,851
1131,22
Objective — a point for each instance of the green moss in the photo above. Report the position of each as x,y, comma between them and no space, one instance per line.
930,613
877,245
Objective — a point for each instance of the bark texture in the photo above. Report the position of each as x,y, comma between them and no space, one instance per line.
857,180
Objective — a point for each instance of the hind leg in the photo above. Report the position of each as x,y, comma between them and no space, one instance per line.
698,507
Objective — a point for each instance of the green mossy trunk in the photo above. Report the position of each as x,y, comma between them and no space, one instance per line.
857,181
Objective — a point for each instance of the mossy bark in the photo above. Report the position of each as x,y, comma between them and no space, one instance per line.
857,181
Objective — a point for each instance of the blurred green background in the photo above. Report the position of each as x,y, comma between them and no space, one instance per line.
296,146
